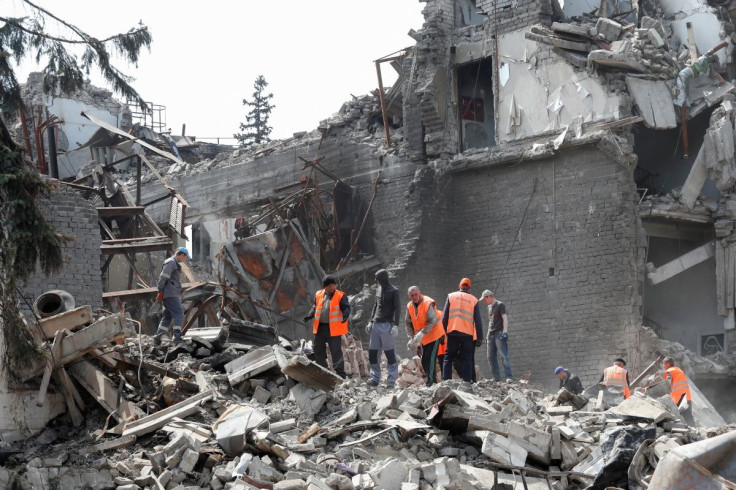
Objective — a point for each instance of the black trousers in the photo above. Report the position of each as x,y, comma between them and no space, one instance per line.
429,357
323,339
459,346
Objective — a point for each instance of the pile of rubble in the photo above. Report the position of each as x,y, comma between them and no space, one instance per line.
220,411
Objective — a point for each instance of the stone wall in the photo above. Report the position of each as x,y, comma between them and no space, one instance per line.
570,280
73,215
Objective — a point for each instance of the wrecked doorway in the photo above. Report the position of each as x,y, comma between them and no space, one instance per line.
682,307
475,104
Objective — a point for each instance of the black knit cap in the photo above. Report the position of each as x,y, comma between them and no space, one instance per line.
327,280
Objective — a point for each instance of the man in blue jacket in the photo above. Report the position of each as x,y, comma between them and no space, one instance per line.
169,292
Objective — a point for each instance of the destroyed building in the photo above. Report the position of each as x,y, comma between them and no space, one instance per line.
547,167
534,147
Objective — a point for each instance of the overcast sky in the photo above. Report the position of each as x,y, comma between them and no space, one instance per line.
206,55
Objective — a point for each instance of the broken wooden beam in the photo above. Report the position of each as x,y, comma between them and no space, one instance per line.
70,320
74,346
108,445
159,419
103,390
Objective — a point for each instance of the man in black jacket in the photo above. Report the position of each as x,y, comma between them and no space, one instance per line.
383,329
568,380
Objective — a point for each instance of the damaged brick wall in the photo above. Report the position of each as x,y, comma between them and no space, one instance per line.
75,216
571,279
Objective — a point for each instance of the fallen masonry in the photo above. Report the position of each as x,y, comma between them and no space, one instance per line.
271,418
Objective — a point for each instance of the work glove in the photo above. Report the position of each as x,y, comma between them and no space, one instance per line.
394,331
160,297
478,342
345,318
683,405
414,341
307,318
369,328
504,336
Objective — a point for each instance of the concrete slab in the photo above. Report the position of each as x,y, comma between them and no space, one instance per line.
503,450
641,406
681,263
654,101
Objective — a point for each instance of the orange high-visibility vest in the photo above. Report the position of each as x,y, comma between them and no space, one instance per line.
443,345
337,326
462,312
418,317
615,377
679,384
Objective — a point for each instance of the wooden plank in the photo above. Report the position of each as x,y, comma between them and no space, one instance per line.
103,390
558,42
119,357
143,293
151,244
67,388
159,419
55,353
121,211
112,444
103,358
71,320
74,346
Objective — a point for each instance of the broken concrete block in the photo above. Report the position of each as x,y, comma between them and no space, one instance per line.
655,38
290,485
641,406
188,461
305,371
389,474
261,395
309,400
555,444
175,458
316,483
365,411
252,363
503,450
235,424
608,29
385,403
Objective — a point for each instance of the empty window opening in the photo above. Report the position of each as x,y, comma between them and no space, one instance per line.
469,15
475,105
662,166
683,308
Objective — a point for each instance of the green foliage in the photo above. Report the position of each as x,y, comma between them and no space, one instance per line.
256,128
26,238
23,36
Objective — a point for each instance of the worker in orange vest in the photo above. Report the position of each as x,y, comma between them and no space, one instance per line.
464,328
424,328
330,312
617,377
679,390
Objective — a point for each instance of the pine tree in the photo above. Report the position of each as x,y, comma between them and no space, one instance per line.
256,128
25,236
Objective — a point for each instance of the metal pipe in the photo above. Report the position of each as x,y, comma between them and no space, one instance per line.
382,97
53,161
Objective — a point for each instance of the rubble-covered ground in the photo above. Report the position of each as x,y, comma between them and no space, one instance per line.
217,413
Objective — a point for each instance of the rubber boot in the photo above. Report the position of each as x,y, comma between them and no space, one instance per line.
393,371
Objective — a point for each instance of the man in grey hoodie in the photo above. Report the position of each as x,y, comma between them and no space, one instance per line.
383,329
169,292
